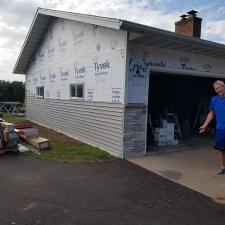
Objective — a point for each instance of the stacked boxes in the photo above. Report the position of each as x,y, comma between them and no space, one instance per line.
39,143
30,135
165,136
10,137
1,139
169,132
8,126
160,136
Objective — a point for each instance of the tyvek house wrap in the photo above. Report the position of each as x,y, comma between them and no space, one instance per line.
74,52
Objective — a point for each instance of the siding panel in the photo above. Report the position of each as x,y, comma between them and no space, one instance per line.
96,123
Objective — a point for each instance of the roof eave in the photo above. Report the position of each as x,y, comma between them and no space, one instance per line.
148,31
43,17
22,62
15,70
85,18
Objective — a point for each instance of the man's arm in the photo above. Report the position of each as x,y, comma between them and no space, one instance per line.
207,121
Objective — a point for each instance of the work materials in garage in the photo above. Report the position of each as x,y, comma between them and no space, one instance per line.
172,118
160,136
169,133
165,135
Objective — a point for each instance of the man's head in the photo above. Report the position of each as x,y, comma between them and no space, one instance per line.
219,87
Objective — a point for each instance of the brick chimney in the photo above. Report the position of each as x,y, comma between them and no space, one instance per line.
189,24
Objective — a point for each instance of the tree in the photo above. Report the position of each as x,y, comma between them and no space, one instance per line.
12,91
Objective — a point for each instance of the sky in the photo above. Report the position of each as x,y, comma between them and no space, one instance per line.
16,17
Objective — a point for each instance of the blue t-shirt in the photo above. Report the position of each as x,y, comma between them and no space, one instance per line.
217,105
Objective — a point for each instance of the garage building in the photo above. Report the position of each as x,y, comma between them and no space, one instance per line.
110,82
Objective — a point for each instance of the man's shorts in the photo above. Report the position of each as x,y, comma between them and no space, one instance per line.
220,140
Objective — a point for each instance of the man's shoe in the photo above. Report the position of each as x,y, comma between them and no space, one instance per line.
221,172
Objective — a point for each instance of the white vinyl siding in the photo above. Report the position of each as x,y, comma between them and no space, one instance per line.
96,123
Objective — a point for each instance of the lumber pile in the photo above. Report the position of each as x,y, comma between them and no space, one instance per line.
11,134
30,135
9,137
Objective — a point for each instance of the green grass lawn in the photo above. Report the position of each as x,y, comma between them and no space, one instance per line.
62,147
15,119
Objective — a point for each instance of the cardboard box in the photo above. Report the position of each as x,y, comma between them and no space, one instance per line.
169,131
1,142
170,127
170,136
11,144
10,135
160,143
29,133
160,132
38,142
160,138
160,135
8,126
12,149
164,123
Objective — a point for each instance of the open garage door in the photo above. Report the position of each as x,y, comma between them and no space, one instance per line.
177,105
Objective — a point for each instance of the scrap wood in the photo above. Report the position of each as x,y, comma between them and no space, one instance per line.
38,142
22,148
23,126
30,147
8,126
28,133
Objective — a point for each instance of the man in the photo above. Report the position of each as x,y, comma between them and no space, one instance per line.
217,109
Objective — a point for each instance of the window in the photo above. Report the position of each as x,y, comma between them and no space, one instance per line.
40,92
77,90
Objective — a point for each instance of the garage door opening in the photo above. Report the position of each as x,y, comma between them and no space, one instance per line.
178,105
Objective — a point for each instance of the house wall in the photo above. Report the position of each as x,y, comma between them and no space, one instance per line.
73,52
142,59
98,124
134,140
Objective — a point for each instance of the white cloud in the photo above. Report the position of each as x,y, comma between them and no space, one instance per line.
16,17
214,30
19,14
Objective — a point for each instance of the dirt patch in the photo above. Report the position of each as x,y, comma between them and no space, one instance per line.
54,136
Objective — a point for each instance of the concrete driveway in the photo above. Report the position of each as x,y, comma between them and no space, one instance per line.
193,165
39,192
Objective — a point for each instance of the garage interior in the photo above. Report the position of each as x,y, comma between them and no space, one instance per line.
182,100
